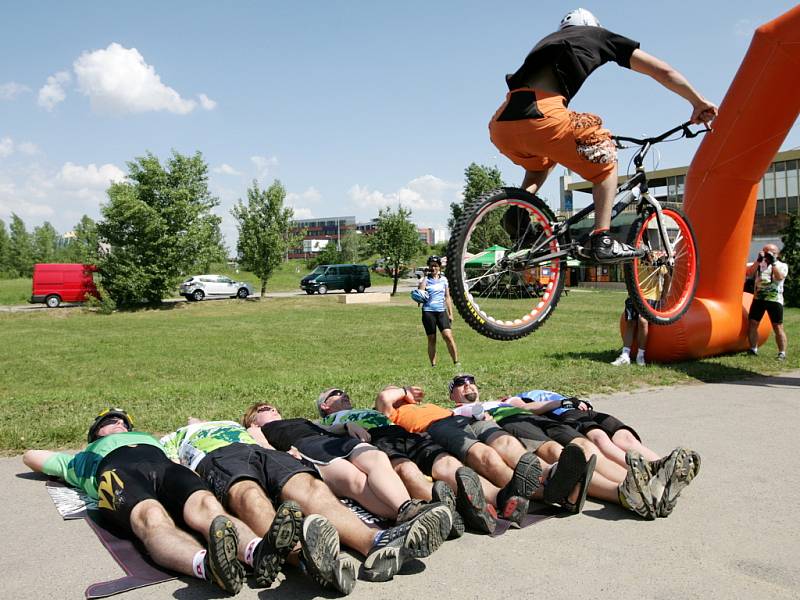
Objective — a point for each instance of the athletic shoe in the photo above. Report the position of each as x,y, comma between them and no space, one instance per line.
222,566
781,356
753,351
606,250
676,471
271,552
527,476
443,494
417,538
634,491
622,359
471,503
320,556
415,507
514,509
640,360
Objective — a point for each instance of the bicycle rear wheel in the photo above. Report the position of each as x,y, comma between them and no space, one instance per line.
662,290
503,278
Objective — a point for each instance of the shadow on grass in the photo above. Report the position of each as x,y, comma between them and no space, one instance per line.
701,370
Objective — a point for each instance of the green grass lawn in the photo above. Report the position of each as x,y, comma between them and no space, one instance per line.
15,291
211,359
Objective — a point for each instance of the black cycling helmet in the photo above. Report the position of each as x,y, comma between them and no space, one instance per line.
104,415
434,259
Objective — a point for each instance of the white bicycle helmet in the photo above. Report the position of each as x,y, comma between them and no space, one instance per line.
579,16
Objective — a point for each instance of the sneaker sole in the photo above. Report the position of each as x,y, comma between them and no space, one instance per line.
425,536
471,502
641,477
687,466
515,510
442,493
281,538
320,548
226,570
384,564
527,474
570,468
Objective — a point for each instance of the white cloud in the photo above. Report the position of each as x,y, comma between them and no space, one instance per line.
427,193
206,102
28,148
264,164
14,200
6,147
302,213
52,92
90,176
226,169
117,80
311,195
12,89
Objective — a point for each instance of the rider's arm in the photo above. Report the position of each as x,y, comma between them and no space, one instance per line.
259,437
641,62
537,408
393,396
35,459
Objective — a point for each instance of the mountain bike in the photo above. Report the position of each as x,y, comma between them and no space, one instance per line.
508,243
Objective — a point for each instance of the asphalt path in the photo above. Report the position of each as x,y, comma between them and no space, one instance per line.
735,532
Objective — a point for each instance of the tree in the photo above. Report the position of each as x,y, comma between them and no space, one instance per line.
21,248
329,255
45,243
159,226
84,247
353,247
478,180
791,256
396,240
5,252
264,230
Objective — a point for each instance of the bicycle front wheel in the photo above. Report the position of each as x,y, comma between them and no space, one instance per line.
504,279
660,288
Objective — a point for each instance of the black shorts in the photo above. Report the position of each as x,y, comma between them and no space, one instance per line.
271,469
396,442
534,430
131,474
431,320
586,420
773,309
457,434
324,449
631,314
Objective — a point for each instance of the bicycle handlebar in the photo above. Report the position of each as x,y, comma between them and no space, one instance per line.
688,133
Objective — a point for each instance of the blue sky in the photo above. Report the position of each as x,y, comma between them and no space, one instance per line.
353,105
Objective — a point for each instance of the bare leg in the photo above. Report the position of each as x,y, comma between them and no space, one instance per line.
533,180
416,483
607,447
444,469
432,348
625,440
201,508
605,467
485,461
508,447
381,478
603,194
643,328
604,489
450,341
248,501
628,331
169,546
347,481
780,337
314,497
752,333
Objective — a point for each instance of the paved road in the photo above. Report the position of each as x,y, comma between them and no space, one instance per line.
734,533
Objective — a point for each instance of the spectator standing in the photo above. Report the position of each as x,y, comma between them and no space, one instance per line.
437,309
769,274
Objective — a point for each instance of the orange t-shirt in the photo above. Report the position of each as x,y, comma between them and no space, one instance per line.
416,418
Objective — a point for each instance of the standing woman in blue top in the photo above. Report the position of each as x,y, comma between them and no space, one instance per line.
437,310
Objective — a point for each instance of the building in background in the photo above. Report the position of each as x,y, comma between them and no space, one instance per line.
319,232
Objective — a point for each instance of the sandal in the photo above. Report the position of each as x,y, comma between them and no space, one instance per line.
583,488
565,475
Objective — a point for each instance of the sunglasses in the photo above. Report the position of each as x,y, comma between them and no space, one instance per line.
333,393
463,380
266,408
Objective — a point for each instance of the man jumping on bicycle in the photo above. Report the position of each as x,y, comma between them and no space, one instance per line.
535,129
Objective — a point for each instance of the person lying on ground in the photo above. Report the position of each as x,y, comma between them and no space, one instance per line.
662,480
489,450
427,470
251,480
141,494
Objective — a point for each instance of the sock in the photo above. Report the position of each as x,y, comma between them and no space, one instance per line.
403,506
199,564
600,230
626,351
250,551
377,539
640,353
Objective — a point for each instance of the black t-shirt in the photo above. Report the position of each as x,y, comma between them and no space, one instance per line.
573,53
284,434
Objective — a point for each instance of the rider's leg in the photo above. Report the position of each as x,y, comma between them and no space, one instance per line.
603,194
534,179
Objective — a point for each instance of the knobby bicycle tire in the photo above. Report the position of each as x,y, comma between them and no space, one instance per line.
500,295
662,292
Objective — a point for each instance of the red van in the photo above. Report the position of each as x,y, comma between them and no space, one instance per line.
57,283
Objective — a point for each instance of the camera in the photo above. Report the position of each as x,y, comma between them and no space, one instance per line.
769,258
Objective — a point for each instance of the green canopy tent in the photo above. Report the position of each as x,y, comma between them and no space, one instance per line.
487,258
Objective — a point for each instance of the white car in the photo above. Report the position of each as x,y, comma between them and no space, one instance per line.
198,287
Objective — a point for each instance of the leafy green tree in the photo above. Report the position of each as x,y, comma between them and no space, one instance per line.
20,248
159,226
264,230
329,255
791,256
353,247
396,240
5,252
84,247
478,181
45,243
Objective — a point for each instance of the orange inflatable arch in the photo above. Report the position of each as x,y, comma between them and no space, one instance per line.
720,195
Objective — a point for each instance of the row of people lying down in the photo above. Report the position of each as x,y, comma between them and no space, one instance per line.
428,472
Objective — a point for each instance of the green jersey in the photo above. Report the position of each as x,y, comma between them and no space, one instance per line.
367,418
80,470
189,445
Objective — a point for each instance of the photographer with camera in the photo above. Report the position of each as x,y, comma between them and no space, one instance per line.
769,274
437,309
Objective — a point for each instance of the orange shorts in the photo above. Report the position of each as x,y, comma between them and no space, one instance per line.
575,140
